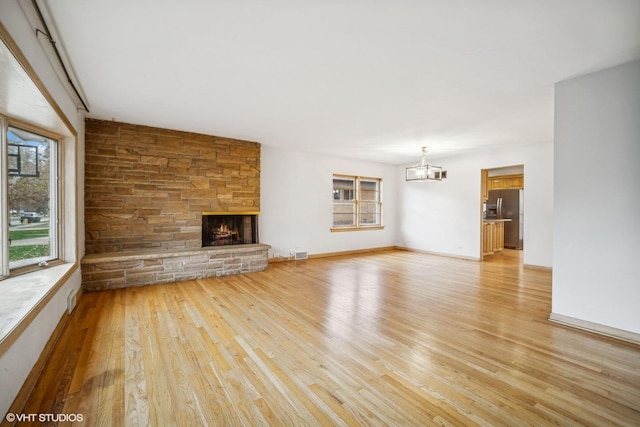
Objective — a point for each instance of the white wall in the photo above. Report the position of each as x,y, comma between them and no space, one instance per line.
296,210
596,275
445,217
18,360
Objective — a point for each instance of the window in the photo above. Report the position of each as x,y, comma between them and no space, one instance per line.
29,198
357,202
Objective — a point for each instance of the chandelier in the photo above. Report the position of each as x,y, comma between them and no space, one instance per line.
424,171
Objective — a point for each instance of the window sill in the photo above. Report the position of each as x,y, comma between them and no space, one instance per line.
24,296
362,228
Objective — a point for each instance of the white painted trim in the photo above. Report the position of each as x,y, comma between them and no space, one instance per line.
442,254
595,327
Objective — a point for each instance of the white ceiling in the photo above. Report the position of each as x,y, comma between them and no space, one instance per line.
370,79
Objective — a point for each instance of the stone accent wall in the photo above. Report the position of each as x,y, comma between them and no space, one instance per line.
146,188
145,191
112,271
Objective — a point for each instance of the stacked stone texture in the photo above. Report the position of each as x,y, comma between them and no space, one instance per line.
145,191
112,271
146,188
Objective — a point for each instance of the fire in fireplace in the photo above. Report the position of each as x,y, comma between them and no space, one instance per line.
225,228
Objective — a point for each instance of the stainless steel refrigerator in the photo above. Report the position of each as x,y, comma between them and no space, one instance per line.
510,205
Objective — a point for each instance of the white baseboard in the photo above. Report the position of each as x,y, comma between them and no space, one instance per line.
442,254
595,327
537,267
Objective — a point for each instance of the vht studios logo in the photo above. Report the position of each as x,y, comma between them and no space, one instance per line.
43,418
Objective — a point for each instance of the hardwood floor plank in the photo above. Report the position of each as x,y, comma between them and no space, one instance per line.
108,408
389,338
135,385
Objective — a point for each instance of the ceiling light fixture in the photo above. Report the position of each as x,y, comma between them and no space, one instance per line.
424,171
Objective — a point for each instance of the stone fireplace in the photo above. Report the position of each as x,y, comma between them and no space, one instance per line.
148,192
229,228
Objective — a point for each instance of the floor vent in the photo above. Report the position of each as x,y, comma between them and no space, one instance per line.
300,255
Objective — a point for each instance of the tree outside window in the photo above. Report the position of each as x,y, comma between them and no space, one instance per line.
30,190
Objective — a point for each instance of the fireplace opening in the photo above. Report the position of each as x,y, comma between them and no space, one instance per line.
221,229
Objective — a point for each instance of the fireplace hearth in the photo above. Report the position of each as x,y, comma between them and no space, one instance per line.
229,228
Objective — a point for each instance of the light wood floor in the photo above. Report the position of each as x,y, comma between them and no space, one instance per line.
392,338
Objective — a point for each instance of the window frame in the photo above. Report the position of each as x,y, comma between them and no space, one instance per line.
38,108
56,202
358,202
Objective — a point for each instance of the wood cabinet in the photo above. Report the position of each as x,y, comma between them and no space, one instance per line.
492,237
484,188
503,182
486,238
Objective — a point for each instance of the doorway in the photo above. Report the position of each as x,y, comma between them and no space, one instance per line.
502,210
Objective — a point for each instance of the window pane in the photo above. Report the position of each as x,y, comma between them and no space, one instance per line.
344,214
369,202
369,213
369,190
344,204
344,188
29,197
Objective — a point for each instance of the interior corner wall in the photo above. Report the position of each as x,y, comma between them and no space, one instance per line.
596,274
296,203
445,217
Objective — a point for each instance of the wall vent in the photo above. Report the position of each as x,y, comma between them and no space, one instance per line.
300,255
71,301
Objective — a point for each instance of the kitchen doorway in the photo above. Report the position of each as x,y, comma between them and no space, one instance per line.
502,211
